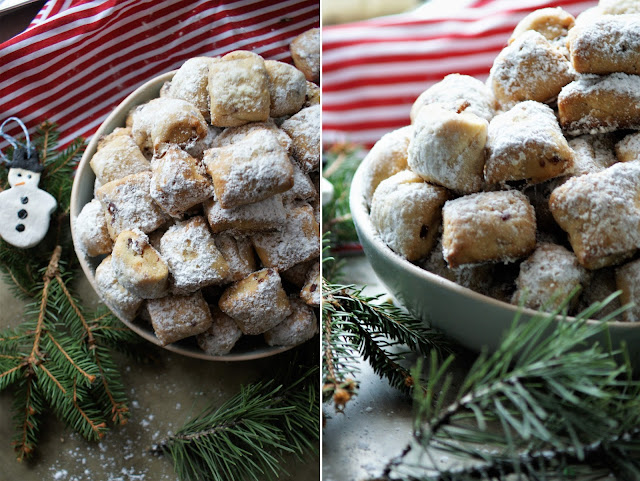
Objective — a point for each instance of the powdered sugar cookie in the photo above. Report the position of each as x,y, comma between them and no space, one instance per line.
628,149
551,23
287,88
300,326
176,317
266,215
304,130
223,334
305,51
191,83
114,294
117,156
91,229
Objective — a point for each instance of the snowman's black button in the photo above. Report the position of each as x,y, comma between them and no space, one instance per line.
20,227
24,199
22,214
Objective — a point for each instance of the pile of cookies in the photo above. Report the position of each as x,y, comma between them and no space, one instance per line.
205,219
526,187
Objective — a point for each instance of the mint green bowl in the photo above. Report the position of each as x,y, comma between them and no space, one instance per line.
474,320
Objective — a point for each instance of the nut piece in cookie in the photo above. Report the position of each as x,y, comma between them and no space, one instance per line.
600,213
406,212
238,89
488,227
138,266
257,303
176,317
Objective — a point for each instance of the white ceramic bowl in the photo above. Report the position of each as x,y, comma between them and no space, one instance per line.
248,347
473,319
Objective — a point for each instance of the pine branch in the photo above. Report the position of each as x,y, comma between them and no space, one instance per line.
60,357
550,401
355,325
247,437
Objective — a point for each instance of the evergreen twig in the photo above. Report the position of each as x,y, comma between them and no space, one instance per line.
247,437
550,402
59,358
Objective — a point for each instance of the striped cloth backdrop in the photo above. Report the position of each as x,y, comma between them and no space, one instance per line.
79,58
374,70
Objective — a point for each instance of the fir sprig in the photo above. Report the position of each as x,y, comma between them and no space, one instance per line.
247,437
356,325
59,358
550,402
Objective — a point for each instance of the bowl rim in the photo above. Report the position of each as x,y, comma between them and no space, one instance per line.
361,218
83,169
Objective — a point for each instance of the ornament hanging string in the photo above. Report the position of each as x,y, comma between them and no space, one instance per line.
15,143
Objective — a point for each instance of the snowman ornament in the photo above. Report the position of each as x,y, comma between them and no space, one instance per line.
25,210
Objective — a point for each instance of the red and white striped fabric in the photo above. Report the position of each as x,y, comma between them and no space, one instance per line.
373,71
79,58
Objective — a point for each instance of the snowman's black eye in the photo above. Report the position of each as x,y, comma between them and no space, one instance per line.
29,176
19,175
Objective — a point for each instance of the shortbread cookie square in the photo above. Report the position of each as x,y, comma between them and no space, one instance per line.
488,227
547,277
176,317
303,188
529,69
128,205
117,156
297,241
120,300
447,148
191,83
222,336
194,260
179,181
628,281
239,254
311,290
138,266
91,229
166,120
600,213
257,303
406,212
238,89
526,143
300,326
249,171
304,130
266,215
305,52
595,103
458,93
287,88
387,157
608,44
